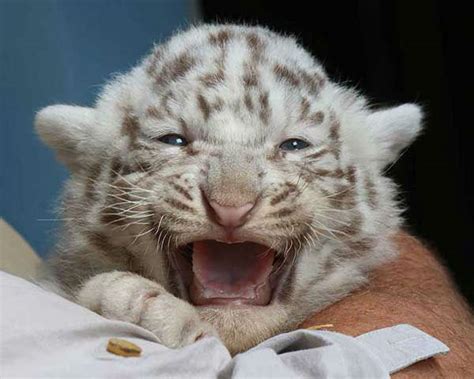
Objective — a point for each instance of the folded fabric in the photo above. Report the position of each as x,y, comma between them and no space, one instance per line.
44,335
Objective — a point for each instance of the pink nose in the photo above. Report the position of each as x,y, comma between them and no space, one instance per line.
231,216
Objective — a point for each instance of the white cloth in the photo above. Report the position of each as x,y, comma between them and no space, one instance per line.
44,335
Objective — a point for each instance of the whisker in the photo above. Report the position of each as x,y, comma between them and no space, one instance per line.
142,234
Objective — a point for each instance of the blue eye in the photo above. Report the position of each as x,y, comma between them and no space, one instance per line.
294,144
173,139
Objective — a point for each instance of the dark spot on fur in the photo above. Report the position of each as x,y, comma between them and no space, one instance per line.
351,175
175,176
250,75
283,73
182,191
314,82
305,105
175,69
213,79
254,42
110,216
371,192
290,188
343,197
165,102
100,242
204,106
334,130
360,246
335,137
179,205
248,101
130,128
264,107
218,105
317,118
145,166
183,124
138,166
154,112
275,155
282,212
94,173
338,173
221,38
127,169
256,46
318,154
311,174
352,228
329,266
115,168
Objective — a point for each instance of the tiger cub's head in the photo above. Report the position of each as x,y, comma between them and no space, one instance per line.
229,168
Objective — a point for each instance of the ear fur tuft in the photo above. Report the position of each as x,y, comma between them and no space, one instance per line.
65,128
393,130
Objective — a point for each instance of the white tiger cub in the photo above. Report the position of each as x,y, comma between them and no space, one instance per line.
224,186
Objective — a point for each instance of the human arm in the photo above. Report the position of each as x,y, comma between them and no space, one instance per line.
414,289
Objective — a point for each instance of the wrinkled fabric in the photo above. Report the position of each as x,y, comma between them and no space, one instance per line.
44,335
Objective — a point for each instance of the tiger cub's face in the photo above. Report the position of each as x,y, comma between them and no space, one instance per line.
227,167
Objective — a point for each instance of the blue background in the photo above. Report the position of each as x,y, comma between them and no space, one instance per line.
62,52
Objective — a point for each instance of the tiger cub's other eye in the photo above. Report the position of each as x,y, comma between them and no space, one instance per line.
173,139
294,144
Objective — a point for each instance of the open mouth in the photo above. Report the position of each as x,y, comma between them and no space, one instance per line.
217,273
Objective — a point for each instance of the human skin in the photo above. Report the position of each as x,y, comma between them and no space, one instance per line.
413,289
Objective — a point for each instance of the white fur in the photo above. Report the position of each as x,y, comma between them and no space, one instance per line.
132,298
342,209
393,130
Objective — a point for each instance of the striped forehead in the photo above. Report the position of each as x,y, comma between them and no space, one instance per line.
221,82
232,55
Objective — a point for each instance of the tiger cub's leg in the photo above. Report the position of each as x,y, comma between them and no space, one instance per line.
126,296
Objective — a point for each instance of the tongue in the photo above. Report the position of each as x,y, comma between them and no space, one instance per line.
231,273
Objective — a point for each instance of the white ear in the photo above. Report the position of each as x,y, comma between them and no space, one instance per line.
67,129
393,130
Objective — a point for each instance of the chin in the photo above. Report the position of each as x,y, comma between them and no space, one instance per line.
242,327
240,287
